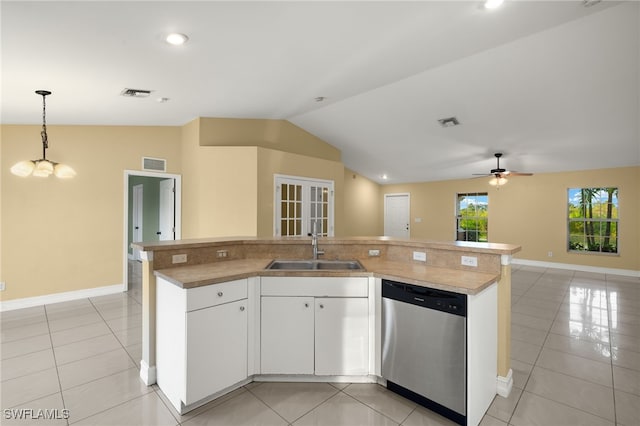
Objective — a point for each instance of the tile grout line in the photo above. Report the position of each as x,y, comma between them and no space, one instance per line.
55,362
613,381
114,334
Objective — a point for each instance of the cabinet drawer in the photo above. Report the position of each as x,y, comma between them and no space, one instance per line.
314,286
216,294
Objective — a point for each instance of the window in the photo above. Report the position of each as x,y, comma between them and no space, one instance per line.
472,217
593,220
300,203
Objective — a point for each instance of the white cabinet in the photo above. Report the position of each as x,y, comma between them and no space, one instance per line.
201,340
216,349
312,325
342,336
287,335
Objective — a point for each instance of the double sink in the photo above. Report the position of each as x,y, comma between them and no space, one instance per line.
322,265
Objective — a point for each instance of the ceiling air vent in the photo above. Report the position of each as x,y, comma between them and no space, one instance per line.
135,93
154,164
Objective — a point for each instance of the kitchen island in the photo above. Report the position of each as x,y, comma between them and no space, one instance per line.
461,267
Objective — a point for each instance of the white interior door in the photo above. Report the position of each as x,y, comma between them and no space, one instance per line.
396,215
167,210
137,217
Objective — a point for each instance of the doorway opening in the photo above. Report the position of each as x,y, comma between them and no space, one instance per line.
152,212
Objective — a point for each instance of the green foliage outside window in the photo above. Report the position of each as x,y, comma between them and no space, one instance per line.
473,217
593,220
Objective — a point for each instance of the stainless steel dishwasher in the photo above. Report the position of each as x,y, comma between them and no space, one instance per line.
424,353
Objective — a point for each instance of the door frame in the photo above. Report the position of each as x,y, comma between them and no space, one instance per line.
178,217
384,217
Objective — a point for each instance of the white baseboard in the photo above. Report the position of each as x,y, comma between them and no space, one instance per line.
504,384
28,302
147,374
572,267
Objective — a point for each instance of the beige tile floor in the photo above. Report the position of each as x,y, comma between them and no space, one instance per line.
575,359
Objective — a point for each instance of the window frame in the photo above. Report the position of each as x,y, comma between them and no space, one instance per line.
615,202
459,218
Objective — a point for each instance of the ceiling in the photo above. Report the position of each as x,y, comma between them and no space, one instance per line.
554,85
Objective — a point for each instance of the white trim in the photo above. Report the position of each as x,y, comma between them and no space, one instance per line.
583,268
147,374
125,230
504,384
310,378
146,255
506,259
28,302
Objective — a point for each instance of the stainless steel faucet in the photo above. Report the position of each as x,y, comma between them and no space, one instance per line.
314,242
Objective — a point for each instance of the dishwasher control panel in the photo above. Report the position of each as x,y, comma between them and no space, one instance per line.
441,300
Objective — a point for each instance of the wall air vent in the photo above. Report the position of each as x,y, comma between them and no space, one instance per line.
449,122
154,164
135,93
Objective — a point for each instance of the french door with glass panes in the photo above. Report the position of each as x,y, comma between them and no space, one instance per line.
302,203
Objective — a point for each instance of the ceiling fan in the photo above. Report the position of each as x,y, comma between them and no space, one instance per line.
499,174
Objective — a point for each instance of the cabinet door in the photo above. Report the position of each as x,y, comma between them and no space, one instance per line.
286,335
216,349
342,336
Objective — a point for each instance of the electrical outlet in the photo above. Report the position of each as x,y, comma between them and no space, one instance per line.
222,253
469,261
179,258
374,253
550,254
420,255
2,286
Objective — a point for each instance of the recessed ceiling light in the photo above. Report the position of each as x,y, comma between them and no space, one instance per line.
176,39
492,4
384,177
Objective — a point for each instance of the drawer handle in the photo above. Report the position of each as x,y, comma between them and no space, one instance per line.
241,308
306,305
321,306
220,294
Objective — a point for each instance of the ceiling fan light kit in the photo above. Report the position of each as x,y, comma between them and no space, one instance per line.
43,167
499,175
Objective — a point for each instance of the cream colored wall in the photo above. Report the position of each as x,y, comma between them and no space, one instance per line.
531,211
65,235
219,197
362,213
279,135
272,162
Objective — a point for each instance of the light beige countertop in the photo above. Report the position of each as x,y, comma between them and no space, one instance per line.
465,282
466,246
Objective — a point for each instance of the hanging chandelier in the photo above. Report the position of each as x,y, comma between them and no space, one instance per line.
43,167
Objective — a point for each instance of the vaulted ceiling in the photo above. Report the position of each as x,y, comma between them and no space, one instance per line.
555,85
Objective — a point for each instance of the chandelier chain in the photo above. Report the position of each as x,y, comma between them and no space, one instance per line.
43,133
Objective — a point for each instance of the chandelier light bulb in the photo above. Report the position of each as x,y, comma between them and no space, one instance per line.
23,168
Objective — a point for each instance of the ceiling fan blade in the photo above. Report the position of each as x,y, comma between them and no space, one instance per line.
520,174
481,174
